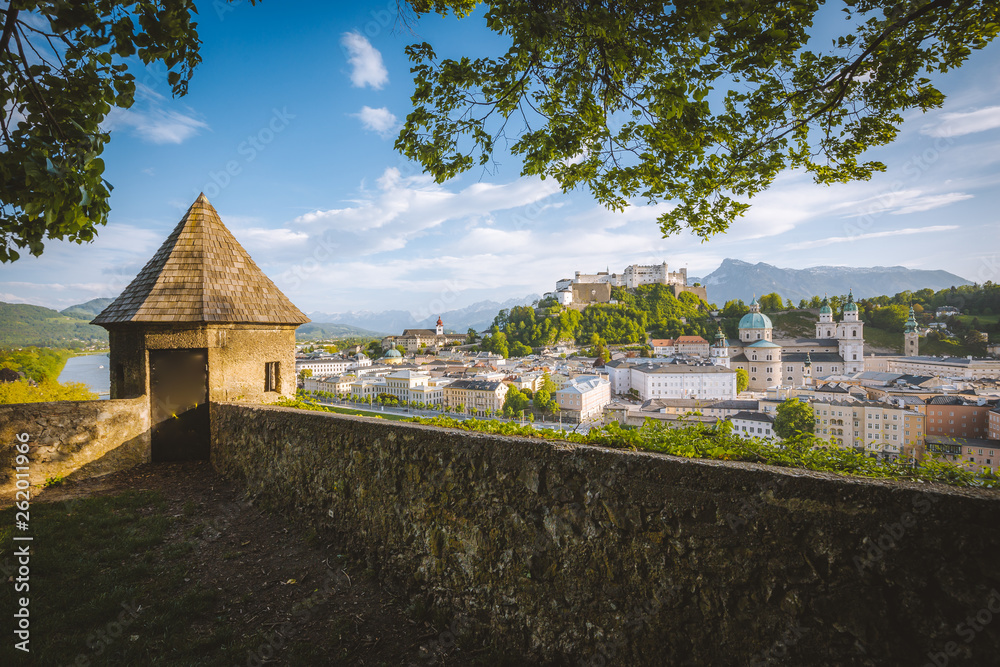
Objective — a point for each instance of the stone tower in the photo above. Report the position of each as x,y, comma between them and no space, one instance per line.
911,339
200,323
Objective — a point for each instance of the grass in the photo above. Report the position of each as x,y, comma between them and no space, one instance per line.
944,348
309,405
101,589
795,323
889,340
983,319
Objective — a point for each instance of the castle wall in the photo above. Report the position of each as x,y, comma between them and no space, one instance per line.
74,439
584,555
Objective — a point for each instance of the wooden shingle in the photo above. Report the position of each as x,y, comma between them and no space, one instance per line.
201,274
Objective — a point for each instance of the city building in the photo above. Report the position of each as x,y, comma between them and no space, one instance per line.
402,383
753,424
681,381
957,417
692,345
993,423
663,347
420,340
969,368
584,396
475,396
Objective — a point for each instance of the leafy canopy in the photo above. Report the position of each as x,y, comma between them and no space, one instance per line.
793,418
700,102
64,66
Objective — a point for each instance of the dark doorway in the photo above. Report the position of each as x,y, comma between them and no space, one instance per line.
179,404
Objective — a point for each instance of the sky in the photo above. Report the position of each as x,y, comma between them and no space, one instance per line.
288,128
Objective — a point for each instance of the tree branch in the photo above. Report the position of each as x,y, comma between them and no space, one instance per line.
847,74
8,28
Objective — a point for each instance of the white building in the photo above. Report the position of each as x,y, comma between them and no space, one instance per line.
584,396
753,424
402,383
968,368
335,384
322,365
368,387
683,381
663,347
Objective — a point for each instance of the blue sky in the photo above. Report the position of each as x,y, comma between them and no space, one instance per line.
288,128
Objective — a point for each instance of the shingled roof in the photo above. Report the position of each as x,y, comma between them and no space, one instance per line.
201,274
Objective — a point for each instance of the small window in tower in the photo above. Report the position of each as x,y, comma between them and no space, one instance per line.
271,379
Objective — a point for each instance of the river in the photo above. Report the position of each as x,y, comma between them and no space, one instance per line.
92,370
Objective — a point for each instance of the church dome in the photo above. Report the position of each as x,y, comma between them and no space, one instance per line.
393,354
825,309
764,343
755,321
850,307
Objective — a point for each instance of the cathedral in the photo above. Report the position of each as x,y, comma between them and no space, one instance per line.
839,347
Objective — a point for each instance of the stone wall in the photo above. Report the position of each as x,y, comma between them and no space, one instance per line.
584,555
236,357
75,439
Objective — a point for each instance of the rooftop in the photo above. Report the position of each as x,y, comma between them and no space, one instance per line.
201,274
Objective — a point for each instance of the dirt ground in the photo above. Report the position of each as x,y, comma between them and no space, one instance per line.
290,597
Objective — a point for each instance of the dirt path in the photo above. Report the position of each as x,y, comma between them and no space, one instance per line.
289,598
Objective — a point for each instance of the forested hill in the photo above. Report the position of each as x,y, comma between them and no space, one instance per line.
22,325
650,308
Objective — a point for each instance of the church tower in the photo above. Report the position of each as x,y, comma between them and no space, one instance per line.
851,337
826,328
439,330
720,350
911,339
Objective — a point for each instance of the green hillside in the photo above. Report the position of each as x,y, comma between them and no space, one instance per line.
22,325
326,331
87,311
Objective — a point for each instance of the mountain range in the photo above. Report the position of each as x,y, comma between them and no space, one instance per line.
479,316
22,324
736,279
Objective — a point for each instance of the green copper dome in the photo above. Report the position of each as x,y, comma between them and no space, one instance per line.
755,321
826,309
850,307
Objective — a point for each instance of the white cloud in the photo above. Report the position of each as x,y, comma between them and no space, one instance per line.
932,201
958,124
408,205
379,120
818,243
366,61
269,238
155,125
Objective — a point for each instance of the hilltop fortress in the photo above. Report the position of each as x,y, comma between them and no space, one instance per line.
587,288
